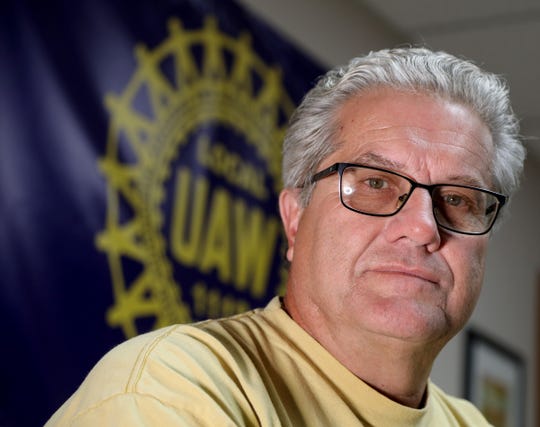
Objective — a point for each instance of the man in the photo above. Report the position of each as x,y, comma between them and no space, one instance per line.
394,168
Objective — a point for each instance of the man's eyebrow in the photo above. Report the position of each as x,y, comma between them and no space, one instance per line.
376,160
373,159
466,180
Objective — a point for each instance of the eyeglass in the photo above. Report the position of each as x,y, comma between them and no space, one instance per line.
379,192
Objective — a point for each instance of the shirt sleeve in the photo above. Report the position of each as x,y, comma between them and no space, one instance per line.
158,380
136,409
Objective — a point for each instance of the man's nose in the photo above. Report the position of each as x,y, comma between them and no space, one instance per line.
416,222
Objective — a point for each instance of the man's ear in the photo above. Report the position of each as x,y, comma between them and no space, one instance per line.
291,211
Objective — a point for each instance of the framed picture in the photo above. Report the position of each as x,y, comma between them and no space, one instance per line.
495,380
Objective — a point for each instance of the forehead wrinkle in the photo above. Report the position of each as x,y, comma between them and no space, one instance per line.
419,134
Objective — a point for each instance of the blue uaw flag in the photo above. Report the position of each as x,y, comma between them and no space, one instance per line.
140,151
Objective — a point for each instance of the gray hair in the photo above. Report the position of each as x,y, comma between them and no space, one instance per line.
310,137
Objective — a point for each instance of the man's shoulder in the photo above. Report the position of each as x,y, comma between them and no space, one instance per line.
125,365
113,375
130,366
174,366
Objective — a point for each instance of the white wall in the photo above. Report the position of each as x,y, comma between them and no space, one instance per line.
333,31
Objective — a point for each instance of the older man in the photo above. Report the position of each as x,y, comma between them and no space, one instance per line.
396,167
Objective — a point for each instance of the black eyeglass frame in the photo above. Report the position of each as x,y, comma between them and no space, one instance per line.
340,167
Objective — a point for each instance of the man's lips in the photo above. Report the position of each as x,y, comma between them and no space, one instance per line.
417,273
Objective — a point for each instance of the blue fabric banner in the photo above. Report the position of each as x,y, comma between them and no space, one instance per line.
140,152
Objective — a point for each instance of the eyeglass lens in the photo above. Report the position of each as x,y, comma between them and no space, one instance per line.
383,193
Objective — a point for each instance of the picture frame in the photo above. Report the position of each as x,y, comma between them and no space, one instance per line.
495,380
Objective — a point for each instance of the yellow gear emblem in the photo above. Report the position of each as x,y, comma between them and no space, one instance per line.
192,79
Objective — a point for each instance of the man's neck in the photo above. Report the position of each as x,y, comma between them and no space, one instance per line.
398,369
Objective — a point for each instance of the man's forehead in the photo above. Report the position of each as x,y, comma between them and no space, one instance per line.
388,117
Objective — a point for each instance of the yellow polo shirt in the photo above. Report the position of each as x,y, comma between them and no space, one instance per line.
254,369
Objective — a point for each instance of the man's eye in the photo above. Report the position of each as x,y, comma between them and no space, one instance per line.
376,183
453,200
